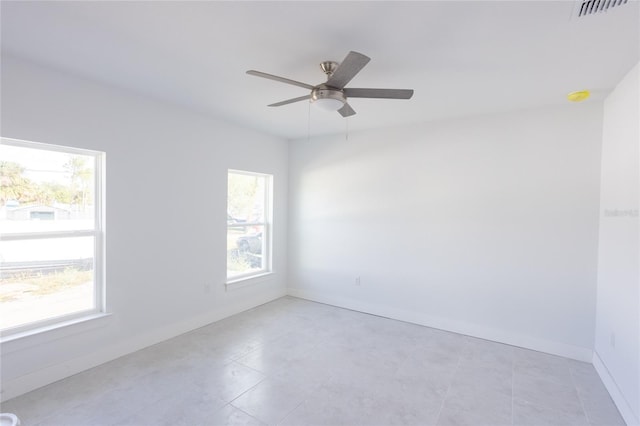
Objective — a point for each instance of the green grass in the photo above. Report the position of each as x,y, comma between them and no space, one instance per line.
43,284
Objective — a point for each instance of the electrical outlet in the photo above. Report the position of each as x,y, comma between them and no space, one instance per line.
612,340
207,288
358,281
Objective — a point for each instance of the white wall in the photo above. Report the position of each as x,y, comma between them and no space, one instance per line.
486,226
166,215
617,343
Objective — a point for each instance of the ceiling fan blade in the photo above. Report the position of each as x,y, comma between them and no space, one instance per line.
346,110
290,101
379,93
350,66
280,79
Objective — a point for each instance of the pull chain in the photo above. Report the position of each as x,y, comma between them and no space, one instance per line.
309,123
346,134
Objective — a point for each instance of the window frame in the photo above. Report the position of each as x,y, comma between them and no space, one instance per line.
98,234
267,226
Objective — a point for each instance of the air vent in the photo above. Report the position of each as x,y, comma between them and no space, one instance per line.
589,7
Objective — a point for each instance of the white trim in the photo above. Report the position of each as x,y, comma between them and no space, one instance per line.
49,332
267,242
47,235
97,232
48,146
616,394
248,275
48,324
100,247
245,281
267,229
245,224
468,329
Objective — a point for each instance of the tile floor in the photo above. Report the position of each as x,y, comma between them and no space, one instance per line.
295,362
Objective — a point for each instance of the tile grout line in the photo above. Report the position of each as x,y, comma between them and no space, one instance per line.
266,377
304,400
241,394
242,411
575,388
279,422
455,372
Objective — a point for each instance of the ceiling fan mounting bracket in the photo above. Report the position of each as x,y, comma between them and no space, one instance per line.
328,67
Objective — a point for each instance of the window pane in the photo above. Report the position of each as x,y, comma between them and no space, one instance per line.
45,278
44,191
246,198
245,250
247,223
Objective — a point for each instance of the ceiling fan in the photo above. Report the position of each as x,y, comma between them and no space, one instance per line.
332,95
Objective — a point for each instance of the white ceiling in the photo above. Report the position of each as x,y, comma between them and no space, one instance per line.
462,58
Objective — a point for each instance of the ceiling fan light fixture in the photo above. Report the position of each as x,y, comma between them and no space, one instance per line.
328,104
327,99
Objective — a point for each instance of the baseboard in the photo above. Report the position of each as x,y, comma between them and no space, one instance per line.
618,397
540,345
51,374
43,377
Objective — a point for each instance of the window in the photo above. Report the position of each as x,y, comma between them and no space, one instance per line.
51,234
248,224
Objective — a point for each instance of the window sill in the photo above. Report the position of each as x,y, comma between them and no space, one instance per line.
37,336
247,281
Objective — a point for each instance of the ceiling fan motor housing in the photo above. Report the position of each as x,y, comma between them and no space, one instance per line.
327,93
